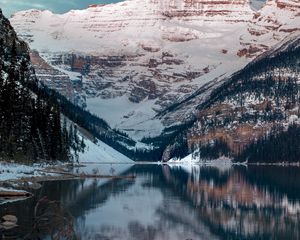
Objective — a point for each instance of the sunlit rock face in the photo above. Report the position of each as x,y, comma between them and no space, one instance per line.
276,20
133,59
210,10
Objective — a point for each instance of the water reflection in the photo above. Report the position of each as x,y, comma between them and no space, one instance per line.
246,203
175,202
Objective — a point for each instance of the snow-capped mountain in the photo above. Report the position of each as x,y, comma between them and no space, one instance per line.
130,62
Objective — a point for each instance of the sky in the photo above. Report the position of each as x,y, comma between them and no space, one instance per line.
57,6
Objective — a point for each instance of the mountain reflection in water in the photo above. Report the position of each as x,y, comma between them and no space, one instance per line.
172,202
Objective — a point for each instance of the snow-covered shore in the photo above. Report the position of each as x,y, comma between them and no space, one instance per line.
14,171
190,159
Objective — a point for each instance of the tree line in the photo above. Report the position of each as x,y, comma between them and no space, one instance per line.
30,123
273,80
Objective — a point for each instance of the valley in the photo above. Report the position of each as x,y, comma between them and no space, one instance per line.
150,120
143,83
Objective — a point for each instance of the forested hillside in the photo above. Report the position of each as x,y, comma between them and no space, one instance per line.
30,125
248,117
276,147
253,106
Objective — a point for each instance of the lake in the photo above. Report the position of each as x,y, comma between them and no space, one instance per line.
164,202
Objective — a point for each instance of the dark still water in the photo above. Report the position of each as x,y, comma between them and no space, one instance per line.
164,203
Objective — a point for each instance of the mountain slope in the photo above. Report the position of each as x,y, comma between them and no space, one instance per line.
144,65
255,105
30,127
30,114
161,51
100,152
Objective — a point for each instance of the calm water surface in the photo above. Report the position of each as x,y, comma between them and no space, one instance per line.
164,202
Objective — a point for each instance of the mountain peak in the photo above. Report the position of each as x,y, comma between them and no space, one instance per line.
142,56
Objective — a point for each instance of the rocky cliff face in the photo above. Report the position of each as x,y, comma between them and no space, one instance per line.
276,20
8,37
134,60
211,10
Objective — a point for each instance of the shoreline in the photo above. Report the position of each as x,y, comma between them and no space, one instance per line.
48,172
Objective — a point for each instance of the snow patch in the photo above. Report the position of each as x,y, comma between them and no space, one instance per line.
99,152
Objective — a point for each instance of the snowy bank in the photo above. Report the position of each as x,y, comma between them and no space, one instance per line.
14,171
101,153
190,159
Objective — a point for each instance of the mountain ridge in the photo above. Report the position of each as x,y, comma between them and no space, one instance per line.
143,70
164,53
